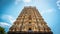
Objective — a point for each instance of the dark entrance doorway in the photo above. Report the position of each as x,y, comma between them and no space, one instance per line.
29,30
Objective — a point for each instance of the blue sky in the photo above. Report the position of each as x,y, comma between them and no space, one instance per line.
49,9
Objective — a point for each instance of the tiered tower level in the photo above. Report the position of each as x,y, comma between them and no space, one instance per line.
30,20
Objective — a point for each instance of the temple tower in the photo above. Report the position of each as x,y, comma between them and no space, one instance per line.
30,21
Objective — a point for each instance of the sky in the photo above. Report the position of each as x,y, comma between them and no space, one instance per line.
49,9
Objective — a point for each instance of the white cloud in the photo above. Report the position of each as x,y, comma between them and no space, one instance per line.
9,18
8,24
50,10
17,1
58,3
26,1
47,11
4,24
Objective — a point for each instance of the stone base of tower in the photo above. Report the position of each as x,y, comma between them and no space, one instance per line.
30,33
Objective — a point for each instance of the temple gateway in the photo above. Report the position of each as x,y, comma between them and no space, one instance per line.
29,21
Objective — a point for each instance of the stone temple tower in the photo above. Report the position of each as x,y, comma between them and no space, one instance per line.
30,21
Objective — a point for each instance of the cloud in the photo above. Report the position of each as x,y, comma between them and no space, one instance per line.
4,24
17,1
26,1
8,24
8,17
58,3
48,11
11,19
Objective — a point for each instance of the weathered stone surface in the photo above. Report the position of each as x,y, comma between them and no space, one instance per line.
30,21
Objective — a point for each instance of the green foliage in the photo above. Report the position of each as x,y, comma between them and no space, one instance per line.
2,31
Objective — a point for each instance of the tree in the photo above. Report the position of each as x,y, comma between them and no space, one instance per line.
2,31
